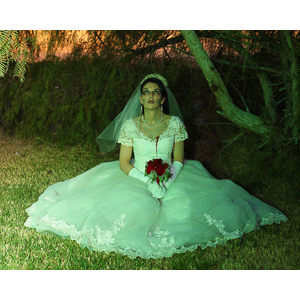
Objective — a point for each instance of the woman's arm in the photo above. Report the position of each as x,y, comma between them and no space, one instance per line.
124,159
178,152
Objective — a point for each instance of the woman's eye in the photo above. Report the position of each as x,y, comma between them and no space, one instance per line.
147,92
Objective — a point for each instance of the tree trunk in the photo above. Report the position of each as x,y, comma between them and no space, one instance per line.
238,116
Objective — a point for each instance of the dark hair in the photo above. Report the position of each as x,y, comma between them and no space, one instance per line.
163,91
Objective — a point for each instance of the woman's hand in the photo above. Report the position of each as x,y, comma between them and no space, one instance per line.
156,190
176,168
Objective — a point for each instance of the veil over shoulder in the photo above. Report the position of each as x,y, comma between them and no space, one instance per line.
108,138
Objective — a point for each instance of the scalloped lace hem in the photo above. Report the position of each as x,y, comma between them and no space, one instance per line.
272,218
161,241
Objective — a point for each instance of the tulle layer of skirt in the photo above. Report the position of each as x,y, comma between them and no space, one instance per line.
103,209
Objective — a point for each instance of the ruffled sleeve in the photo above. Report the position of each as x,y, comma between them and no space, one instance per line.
180,131
127,133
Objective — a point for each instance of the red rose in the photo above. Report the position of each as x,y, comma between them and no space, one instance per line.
160,170
157,171
157,162
151,163
150,168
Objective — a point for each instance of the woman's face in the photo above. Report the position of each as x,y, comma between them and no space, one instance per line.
151,96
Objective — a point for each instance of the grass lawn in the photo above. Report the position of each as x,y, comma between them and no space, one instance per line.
27,169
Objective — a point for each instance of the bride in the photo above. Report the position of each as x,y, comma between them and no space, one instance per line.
115,207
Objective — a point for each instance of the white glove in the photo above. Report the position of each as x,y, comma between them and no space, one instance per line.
156,190
135,173
175,169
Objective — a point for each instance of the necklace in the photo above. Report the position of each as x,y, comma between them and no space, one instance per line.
162,116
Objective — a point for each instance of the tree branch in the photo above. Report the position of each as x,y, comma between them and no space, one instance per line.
233,113
161,44
225,62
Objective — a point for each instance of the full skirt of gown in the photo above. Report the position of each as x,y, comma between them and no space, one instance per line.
103,209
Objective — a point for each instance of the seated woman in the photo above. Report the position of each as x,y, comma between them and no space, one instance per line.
115,207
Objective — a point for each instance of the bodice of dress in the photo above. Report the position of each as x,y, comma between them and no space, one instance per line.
145,148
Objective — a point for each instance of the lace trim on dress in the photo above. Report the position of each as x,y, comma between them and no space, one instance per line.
97,238
273,218
179,130
126,134
163,236
220,226
129,130
277,218
162,241
126,142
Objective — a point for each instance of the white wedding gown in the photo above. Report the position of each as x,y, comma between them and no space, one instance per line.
106,210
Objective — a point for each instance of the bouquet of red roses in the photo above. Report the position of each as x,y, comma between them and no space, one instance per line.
157,171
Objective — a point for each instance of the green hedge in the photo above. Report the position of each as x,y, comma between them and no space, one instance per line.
71,101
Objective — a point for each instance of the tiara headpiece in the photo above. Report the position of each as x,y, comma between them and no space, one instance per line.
157,76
